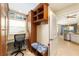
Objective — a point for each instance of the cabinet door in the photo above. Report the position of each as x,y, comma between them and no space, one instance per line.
3,29
3,36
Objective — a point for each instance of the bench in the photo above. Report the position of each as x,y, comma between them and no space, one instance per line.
40,48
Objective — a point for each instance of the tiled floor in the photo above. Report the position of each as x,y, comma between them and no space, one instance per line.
26,53
66,48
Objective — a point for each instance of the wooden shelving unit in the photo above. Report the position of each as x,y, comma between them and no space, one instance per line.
40,20
40,13
35,17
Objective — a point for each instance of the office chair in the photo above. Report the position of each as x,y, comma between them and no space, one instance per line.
19,42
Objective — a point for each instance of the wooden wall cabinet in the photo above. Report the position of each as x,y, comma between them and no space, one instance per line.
40,13
34,18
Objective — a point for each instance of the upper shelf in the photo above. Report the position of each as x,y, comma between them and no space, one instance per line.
39,20
40,13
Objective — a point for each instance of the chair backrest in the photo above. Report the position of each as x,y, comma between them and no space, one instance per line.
19,40
19,37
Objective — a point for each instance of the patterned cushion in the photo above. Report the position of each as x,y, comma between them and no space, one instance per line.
34,45
39,47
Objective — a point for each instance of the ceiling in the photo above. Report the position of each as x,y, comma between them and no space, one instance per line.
22,7
65,21
59,6
26,7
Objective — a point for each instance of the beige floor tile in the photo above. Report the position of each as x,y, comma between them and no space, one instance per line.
66,48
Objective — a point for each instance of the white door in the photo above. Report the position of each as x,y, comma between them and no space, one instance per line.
53,33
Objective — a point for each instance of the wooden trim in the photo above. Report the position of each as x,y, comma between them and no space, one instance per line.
3,38
0,32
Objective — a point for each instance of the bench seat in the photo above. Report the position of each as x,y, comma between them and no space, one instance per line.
41,48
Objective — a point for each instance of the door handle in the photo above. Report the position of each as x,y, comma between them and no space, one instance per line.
51,39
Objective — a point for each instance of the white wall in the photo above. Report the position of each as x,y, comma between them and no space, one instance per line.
43,34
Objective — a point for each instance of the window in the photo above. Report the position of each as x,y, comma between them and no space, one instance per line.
17,24
17,27
16,16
